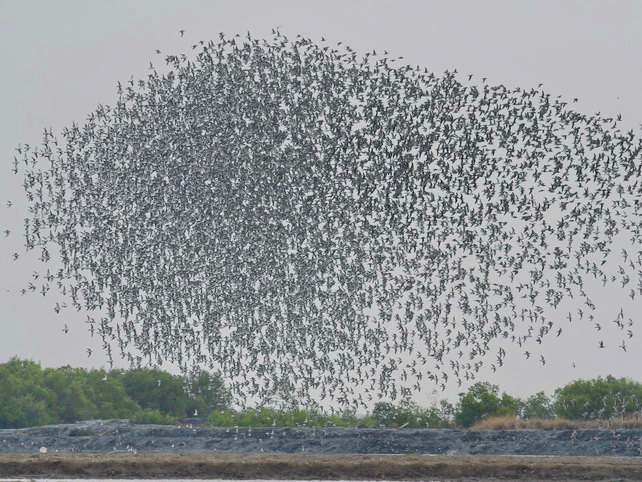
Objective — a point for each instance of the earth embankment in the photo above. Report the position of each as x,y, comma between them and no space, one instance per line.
121,436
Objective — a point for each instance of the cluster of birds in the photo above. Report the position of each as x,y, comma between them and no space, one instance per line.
310,220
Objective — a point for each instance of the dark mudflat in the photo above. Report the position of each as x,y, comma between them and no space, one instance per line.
319,466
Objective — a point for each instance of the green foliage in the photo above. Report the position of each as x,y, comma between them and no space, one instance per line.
446,411
153,417
261,417
414,416
72,400
537,406
384,413
32,396
222,418
598,398
171,395
156,390
87,395
408,414
208,394
24,400
295,417
481,401
367,421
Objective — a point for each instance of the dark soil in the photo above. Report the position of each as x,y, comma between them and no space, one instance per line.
318,466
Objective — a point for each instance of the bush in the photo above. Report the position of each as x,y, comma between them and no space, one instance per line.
483,401
159,390
537,406
408,414
384,413
220,418
601,398
367,422
87,395
153,417
24,399
295,417
31,396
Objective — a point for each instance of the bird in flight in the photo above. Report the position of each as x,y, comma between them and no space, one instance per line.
363,208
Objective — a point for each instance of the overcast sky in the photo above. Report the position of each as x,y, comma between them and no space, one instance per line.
60,59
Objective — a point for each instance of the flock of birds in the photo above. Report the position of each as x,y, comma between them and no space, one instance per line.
310,221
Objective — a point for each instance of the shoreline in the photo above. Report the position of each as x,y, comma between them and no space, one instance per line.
316,466
123,437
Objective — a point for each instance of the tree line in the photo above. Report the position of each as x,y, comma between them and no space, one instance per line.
31,395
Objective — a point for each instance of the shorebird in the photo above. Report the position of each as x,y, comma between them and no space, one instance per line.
255,201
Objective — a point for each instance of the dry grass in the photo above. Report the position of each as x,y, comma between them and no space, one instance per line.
512,423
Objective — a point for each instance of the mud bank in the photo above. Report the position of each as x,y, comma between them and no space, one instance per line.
318,466
120,436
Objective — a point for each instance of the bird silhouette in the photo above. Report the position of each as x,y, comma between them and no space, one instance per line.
301,216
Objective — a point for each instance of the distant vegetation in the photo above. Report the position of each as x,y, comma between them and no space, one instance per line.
31,395
153,417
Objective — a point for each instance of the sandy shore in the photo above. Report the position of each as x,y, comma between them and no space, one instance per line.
317,466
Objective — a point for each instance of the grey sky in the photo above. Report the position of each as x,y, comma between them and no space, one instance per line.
61,59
